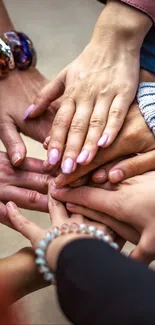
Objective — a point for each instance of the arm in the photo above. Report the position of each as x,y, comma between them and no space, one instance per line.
19,276
148,7
104,287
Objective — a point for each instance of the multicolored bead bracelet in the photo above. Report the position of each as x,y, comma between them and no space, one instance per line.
41,251
16,50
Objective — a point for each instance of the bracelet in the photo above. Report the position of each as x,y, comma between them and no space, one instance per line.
16,50
41,251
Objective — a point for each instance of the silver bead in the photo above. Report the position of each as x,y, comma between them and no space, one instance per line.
74,227
42,244
40,261
39,252
65,228
106,239
44,269
99,233
56,232
114,245
82,227
91,230
48,276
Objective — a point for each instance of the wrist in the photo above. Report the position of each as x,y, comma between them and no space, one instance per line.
122,23
57,245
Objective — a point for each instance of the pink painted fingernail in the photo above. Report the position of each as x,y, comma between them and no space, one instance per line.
30,109
67,166
116,176
53,156
83,156
103,140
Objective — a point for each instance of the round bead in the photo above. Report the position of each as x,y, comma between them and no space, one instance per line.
106,239
74,227
83,228
44,269
56,232
114,245
49,237
48,276
40,261
91,230
42,244
39,252
65,228
99,233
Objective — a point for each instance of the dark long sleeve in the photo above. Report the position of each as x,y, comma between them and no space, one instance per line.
98,285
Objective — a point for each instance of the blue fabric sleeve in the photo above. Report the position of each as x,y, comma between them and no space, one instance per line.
147,54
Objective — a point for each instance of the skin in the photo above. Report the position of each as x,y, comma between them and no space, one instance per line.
135,137
98,87
27,186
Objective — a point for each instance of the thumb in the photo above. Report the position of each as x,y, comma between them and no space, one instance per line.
13,142
133,166
145,250
50,93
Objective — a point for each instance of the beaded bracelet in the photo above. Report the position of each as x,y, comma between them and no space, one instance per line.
16,50
41,251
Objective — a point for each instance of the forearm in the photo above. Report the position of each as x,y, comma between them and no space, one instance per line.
122,22
19,275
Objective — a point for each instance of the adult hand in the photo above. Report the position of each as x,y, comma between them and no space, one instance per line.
134,138
131,202
98,88
17,92
26,186
59,217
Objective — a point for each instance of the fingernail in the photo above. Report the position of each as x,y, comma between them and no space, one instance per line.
53,156
83,156
11,205
116,175
100,174
67,166
16,159
103,140
30,109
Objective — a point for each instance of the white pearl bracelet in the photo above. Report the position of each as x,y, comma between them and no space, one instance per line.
65,229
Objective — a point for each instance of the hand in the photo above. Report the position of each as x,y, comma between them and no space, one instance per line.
17,93
20,277
135,137
26,186
58,216
131,202
97,88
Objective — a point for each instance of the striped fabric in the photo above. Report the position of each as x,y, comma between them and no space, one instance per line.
146,101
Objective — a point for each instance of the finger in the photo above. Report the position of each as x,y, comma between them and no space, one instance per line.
24,198
27,228
59,130
46,142
33,181
145,250
57,210
93,198
33,165
133,166
117,114
100,176
13,142
96,127
81,181
77,133
122,229
4,217
48,94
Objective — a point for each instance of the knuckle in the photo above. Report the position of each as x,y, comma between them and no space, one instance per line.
83,194
60,122
34,196
68,95
116,114
11,143
85,91
96,122
77,126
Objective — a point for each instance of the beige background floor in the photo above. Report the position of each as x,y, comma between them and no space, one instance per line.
59,29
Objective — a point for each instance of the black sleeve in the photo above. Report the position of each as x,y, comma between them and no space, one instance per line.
97,285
